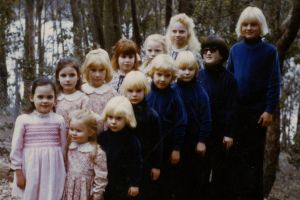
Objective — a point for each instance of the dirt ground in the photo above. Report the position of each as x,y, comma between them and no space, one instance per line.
286,187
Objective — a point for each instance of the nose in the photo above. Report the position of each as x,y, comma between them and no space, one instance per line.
248,26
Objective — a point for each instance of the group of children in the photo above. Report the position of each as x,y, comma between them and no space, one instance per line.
158,131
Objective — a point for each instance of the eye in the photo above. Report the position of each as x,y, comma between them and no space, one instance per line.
130,90
40,96
93,70
63,75
49,97
119,118
73,75
139,90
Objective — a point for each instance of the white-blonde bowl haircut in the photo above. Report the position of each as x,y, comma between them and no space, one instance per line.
88,119
135,80
163,63
252,13
120,106
193,43
186,59
97,58
156,38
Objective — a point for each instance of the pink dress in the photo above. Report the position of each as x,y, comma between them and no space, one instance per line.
37,148
98,97
86,172
67,103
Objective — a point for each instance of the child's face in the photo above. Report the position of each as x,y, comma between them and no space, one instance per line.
250,29
68,78
153,49
162,79
212,55
43,99
179,35
186,73
126,62
116,123
135,95
78,132
97,76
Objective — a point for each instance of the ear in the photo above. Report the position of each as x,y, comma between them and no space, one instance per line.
31,99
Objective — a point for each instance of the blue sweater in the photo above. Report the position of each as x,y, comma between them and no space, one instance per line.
196,103
221,88
173,119
256,68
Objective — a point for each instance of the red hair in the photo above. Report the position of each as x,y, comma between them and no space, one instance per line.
125,47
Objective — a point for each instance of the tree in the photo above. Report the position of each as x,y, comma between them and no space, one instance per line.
168,12
285,38
187,7
29,68
136,32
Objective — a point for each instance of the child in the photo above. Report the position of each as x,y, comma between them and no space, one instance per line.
135,87
168,104
68,83
255,65
86,165
122,148
124,59
222,91
97,71
38,147
196,102
180,36
154,45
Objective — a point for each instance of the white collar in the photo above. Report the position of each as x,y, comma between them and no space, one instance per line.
85,148
42,115
119,72
70,97
88,89
180,49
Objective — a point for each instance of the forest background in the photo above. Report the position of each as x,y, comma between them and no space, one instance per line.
35,34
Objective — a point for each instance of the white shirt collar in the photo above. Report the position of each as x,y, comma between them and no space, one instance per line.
86,147
70,97
88,89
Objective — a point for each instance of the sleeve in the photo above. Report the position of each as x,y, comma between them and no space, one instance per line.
156,154
273,90
134,165
180,119
16,154
230,107
85,101
63,135
230,65
205,122
100,169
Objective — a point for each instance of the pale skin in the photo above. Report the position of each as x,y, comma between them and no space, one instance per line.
265,119
175,157
228,142
133,191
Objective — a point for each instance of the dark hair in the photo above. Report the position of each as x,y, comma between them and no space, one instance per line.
43,81
215,41
125,47
67,62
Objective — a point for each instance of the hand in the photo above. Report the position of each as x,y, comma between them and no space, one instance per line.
133,191
175,157
227,141
265,119
21,181
155,173
201,148
96,197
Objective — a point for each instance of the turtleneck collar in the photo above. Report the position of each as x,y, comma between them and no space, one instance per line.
153,87
186,83
214,68
253,41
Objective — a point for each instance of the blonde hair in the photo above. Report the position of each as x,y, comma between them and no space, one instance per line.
186,59
135,80
88,119
156,38
193,43
120,106
97,58
162,62
252,13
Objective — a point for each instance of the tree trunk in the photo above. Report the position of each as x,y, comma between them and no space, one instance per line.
168,12
3,70
77,29
29,68
41,48
97,25
273,139
297,134
187,7
136,31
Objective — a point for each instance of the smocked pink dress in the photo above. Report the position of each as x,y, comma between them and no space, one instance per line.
67,103
37,148
86,172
